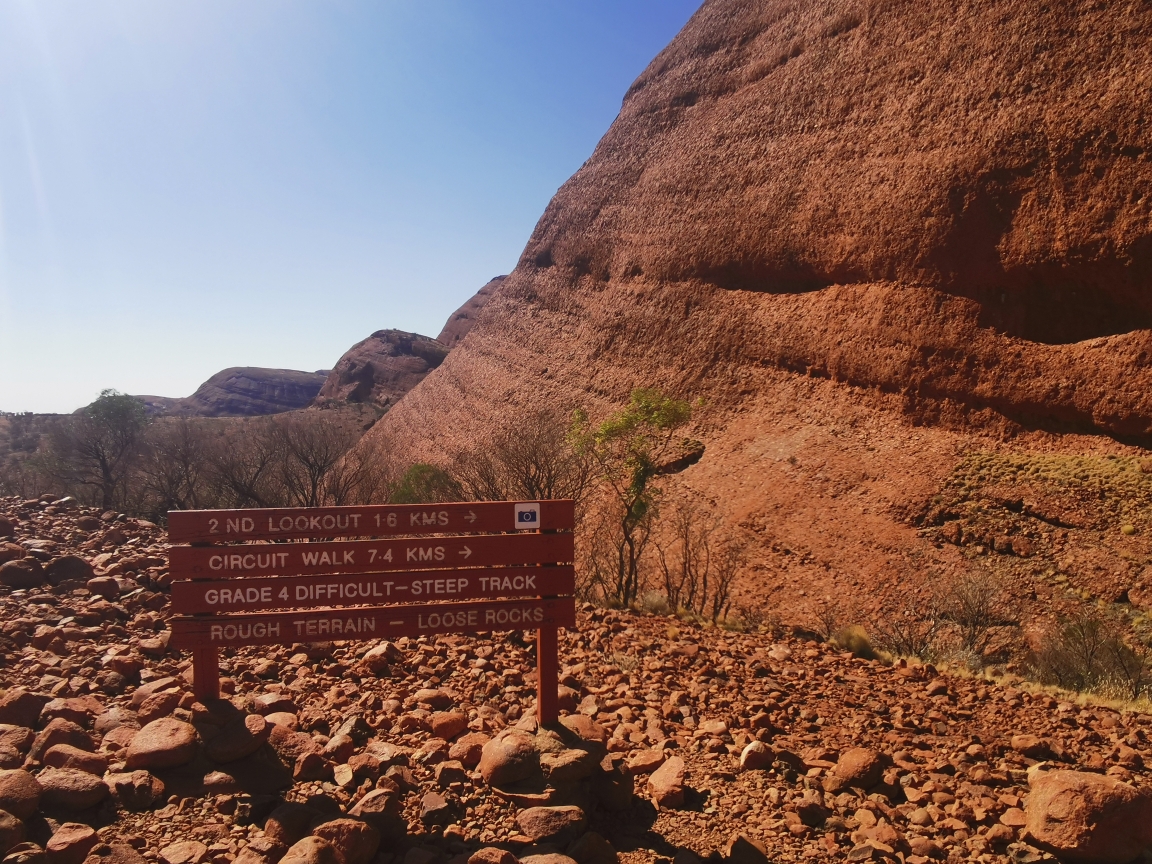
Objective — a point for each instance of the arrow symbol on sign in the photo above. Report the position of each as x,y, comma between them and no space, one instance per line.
471,517
465,552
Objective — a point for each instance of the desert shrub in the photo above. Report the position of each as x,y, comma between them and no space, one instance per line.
531,459
909,628
854,638
654,603
1089,652
423,483
696,563
827,615
974,604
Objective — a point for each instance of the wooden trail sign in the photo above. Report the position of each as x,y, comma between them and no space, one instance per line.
507,568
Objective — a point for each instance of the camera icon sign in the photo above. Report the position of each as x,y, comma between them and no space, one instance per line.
527,516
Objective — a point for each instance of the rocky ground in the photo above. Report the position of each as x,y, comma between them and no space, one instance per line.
676,743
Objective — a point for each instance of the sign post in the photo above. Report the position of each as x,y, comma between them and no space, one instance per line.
245,578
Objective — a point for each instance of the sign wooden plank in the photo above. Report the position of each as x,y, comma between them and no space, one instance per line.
368,556
377,520
273,628
310,592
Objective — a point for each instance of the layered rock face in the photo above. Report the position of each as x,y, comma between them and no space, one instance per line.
244,391
875,236
462,320
382,368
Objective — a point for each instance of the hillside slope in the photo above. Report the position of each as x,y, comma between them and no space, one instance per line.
877,238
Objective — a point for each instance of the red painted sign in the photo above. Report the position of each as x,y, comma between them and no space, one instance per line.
368,556
389,622
377,520
310,592
337,589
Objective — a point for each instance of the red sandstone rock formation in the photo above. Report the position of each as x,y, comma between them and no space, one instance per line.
382,368
246,391
875,237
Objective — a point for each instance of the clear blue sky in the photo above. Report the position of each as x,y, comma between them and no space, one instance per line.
186,186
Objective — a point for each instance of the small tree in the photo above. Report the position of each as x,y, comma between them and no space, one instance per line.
174,467
97,446
423,484
531,459
628,450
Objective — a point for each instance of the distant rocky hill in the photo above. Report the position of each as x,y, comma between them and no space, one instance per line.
878,238
382,368
244,391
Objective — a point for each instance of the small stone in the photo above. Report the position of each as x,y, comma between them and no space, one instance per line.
291,822
11,832
1032,746
19,793
365,766
135,790
102,586
68,568
549,858
339,748
18,707
311,850
311,766
592,848
642,762
448,724
72,843
467,749
274,703
509,757
24,573
163,743
666,785
492,855
437,700
26,853
70,789
239,738
1013,817
382,809
558,825
568,766
858,768
355,842
60,731
158,705
82,710
184,852
435,809
742,849
116,853
450,772
756,756
67,756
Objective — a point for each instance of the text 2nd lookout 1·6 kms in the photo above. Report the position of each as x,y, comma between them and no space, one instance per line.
230,526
